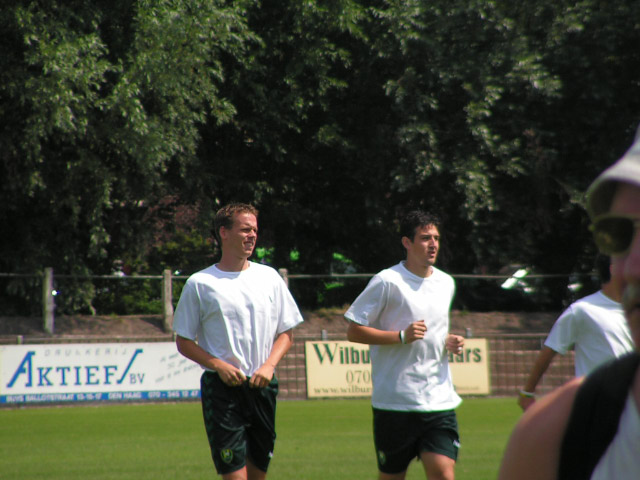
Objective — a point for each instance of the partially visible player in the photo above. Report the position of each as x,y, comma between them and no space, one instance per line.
403,313
593,325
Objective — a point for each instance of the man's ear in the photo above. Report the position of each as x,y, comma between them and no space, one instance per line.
406,243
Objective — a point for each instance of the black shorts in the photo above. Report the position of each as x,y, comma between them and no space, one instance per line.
240,423
400,437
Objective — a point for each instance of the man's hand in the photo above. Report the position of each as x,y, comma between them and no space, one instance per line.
525,401
415,331
454,343
262,377
229,374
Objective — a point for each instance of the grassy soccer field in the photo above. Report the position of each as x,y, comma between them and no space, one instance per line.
317,440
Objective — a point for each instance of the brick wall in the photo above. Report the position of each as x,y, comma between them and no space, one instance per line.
511,357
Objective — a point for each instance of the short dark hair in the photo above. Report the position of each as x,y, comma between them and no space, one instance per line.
603,264
224,216
414,220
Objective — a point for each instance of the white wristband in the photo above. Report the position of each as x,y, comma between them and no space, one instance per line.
402,336
524,393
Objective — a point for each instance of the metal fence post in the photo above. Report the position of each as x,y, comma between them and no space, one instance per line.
284,273
167,301
48,303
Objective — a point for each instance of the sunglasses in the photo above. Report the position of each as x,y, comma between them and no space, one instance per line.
613,233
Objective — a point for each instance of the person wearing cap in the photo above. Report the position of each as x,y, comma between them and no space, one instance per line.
590,427
593,325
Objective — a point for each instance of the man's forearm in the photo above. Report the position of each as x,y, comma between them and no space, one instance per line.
195,352
228,373
280,347
372,336
265,373
539,368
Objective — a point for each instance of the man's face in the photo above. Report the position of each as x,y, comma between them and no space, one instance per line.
626,266
424,246
240,239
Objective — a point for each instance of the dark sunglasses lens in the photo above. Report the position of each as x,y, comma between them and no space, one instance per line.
613,235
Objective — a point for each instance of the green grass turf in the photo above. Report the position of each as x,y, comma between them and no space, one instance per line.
317,440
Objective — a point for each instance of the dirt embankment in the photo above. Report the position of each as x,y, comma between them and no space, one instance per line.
330,320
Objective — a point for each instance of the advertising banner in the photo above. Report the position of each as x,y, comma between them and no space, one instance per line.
96,372
343,369
470,369
338,369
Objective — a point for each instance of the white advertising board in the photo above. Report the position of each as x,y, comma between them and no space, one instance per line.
96,372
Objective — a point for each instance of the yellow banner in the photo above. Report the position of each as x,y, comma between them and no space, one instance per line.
338,369
343,369
470,369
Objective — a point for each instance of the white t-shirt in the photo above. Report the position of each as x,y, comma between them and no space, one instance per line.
236,316
415,376
621,461
596,326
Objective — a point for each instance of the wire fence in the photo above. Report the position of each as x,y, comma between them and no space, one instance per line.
116,294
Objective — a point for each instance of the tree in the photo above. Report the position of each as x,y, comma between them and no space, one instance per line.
100,101
331,116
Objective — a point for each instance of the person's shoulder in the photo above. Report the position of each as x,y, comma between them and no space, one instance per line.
533,450
442,276
580,305
262,267
396,269
595,298
595,302
264,271
202,275
392,274
441,273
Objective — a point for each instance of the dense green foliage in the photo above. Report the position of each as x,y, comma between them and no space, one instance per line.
126,124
